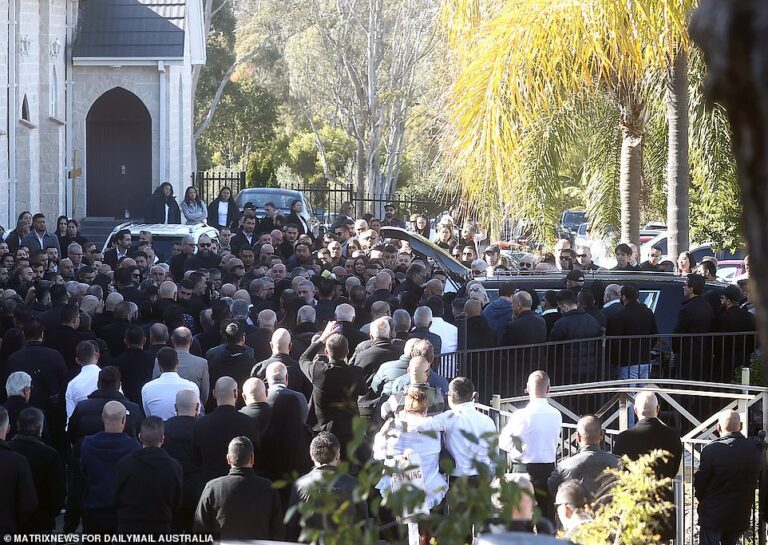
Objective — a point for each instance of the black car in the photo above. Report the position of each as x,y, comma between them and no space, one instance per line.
661,292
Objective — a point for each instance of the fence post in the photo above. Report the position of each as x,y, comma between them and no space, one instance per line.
623,417
495,413
679,508
742,405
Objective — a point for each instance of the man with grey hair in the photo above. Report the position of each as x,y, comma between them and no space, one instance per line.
612,303
378,309
370,355
192,368
19,499
99,455
277,382
650,434
18,387
729,470
527,327
306,328
589,463
345,316
214,431
401,325
280,343
259,338
422,319
240,505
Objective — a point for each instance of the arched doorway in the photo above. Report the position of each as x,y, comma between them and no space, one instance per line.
118,155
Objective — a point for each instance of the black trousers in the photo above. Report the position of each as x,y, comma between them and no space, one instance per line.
539,473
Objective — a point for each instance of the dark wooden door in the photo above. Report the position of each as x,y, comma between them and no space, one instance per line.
118,155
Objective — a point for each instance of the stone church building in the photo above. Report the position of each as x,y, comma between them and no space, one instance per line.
99,104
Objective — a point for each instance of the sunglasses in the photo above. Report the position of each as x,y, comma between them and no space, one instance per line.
204,245
526,265
581,255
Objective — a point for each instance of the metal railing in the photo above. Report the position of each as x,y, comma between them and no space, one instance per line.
210,182
746,399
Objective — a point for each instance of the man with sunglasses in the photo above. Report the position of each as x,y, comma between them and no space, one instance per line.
584,258
204,258
652,264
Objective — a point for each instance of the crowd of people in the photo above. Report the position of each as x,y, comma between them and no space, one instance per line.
150,393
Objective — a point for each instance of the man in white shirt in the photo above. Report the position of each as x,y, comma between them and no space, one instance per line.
159,396
536,428
190,367
470,436
448,333
86,381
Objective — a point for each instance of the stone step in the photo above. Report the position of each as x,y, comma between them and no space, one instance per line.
97,229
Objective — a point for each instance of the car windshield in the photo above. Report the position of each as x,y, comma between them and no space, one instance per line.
260,198
574,218
162,244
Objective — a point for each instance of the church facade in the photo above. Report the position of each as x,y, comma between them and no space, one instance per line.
99,104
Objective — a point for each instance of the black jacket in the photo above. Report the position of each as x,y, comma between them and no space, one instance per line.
353,335
633,319
647,435
19,499
48,475
426,334
526,328
585,466
336,386
154,208
234,361
86,418
339,485
212,434
135,371
369,359
48,372
725,482
261,412
478,334
148,489
213,213
550,319
240,506
294,218
576,363
240,241
63,340
732,350
14,405
694,353
114,335
296,379
301,338
259,342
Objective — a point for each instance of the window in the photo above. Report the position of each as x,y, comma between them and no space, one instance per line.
25,109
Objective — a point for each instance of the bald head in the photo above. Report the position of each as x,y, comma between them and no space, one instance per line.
612,293
113,299
589,431
472,308
523,299
187,403
646,405
728,422
379,309
225,391
113,416
254,391
228,290
267,319
167,290
306,314
345,313
281,341
382,281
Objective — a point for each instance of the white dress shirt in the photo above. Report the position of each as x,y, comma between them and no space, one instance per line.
448,333
80,387
159,396
537,428
461,421
222,212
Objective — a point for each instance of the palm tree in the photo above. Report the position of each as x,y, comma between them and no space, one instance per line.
678,172
521,59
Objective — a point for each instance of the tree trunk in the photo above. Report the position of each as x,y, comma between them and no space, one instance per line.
678,174
630,183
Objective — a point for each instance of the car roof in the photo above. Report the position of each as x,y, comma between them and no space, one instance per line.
167,229
270,190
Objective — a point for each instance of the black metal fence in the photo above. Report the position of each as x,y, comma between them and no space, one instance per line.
210,182
708,357
327,200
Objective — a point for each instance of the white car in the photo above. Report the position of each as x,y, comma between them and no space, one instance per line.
164,235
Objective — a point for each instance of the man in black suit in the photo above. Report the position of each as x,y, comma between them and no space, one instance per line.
66,336
214,431
589,463
345,316
148,484
134,363
336,384
575,363
178,442
114,334
696,316
18,499
634,355
121,246
550,311
725,483
259,340
240,505
422,320
256,405
651,434
526,327
733,350
49,378
247,236
280,344
370,355
325,452
18,386
277,387
47,471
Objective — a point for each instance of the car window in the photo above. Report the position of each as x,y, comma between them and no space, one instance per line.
649,298
574,218
260,198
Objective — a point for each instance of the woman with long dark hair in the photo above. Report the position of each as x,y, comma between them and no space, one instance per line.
297,207
61,230
686,263
161,206
223,211
422,226
193,208
73,235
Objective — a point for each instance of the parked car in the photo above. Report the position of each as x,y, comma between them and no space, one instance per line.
730,269
164,235
661,292
282,199
570,221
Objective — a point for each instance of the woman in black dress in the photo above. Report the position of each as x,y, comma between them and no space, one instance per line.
223,211
297,207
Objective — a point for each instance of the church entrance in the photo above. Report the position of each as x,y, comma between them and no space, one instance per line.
118,155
